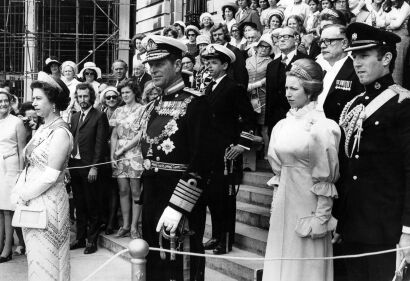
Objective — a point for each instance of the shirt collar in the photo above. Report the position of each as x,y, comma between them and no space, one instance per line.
85,112
217,81
290,55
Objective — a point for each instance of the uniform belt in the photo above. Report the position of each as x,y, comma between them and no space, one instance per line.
155,165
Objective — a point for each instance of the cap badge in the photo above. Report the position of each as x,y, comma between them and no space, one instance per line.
212,50
151,45
377,86
354,36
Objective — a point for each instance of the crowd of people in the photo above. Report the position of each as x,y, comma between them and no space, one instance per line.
317,88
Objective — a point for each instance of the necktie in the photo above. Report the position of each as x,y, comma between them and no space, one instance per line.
75,146
285,59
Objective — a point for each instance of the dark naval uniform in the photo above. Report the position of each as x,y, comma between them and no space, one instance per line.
375,169
175,147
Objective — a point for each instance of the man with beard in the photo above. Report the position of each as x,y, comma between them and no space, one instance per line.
89,128
220,35
175,146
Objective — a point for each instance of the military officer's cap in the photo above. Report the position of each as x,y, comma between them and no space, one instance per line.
219,51
160,47
362,36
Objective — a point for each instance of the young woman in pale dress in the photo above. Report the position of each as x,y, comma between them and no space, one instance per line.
303,153
12,141
41,184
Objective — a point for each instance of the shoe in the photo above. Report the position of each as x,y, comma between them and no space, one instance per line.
135,234
122,232
6,259
77,245
220,249
211,244
19,251
109,231
90,249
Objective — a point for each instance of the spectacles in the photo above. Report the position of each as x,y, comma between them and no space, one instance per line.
329,41
191,35
264,46
88,73
235,30
111,97
285,37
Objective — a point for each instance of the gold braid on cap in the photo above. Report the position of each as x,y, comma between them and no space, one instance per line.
299,72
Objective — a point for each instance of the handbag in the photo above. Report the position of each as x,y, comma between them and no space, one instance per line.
29,217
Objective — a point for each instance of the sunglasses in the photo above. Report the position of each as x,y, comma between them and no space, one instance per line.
88,73
111,97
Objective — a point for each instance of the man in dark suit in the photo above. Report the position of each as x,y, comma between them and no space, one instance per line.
276,103
140,74
340,83
90,131
119,69
230,139
220,35
374,213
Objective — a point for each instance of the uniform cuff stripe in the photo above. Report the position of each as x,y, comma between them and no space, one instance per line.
185,196
188,193
191,189
185,205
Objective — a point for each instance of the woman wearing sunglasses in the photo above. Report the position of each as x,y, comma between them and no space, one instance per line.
90,73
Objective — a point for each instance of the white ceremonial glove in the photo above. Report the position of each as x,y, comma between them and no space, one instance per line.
39,185
170,219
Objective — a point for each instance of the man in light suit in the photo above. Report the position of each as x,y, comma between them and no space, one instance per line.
220,35
340,83
90,131
276,103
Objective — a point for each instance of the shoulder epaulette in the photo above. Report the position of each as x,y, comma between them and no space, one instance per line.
402,92
193,92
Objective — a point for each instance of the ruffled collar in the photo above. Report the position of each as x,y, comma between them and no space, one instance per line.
302,112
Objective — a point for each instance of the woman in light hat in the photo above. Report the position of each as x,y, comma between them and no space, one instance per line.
256,66
90,73
275,20
192,33
181,27
69,70
201,41
206,24
228,14
52,67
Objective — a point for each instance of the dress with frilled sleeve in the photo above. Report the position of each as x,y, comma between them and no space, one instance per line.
303,153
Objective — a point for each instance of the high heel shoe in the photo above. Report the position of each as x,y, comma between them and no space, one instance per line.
6,259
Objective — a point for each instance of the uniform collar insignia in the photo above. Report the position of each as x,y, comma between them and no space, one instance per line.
354,36
377,85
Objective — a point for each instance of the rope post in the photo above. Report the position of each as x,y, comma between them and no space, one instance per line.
138,250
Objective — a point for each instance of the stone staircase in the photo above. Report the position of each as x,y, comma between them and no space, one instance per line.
252,223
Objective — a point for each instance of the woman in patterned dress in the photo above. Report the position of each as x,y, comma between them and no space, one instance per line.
12,141
127,171
41,184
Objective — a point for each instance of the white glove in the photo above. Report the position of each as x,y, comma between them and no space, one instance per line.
39,185
170,219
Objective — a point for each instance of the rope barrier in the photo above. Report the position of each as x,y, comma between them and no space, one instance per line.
246,258
278,258
105,264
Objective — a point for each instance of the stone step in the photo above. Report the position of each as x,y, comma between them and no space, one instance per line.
115,245
258,179
255,195
249,238
253,215
240,270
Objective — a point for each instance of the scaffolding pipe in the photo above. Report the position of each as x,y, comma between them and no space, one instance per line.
29,47
77,31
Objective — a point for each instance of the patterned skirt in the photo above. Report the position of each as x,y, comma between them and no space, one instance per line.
48,250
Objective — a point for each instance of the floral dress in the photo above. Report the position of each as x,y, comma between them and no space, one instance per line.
123,119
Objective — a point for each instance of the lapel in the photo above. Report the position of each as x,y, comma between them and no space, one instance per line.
219,88
345,73
74,122
90,113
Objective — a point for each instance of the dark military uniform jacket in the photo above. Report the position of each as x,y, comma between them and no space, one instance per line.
344,88
375,181
175,144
